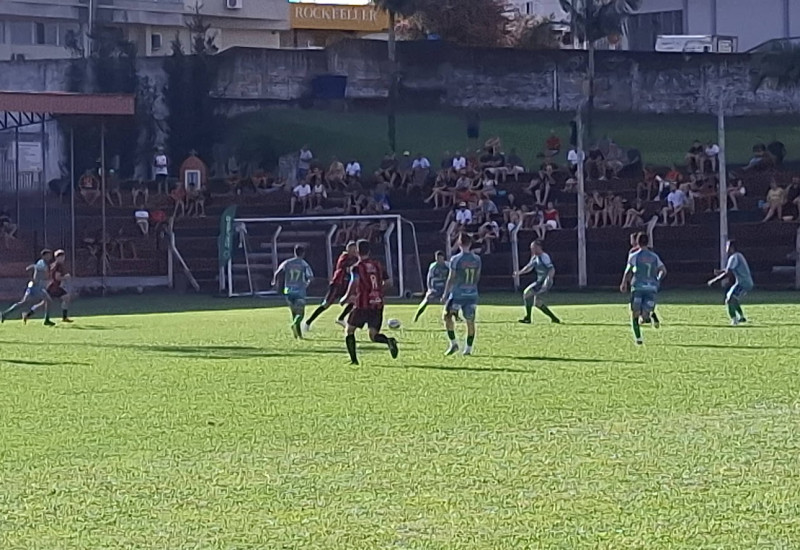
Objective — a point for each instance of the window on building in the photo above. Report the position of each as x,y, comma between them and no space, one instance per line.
156,42
21,33
69,35
644,28
2,32
45,34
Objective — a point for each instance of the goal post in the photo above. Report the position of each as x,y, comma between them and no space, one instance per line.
263,243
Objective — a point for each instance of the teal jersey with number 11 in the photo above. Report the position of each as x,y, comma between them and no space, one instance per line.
467,272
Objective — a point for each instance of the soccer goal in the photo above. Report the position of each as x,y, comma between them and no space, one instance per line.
261,244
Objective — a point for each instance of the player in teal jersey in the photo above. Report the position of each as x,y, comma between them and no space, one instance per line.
36,290
297,275
461,293
543,267
634,248
737,267
644,274
438,272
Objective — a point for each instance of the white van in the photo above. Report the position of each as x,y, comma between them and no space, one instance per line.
684,43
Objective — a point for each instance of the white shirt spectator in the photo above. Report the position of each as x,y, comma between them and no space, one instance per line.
676,199
575,158
353,169
464,216
459,163
421,163
302,190
160,164
712,150
306,156
319,189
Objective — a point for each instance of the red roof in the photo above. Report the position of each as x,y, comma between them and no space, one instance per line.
62,103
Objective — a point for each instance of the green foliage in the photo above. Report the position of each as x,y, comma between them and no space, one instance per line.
401,7
596,19
778,62
205,425
471,23
191,81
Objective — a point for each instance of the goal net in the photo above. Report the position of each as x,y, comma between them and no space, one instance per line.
261,244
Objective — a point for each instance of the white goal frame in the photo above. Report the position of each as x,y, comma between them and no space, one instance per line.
395,230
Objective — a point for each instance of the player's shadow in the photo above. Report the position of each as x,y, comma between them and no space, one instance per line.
545,359
734,346
487,370
31,363
233,352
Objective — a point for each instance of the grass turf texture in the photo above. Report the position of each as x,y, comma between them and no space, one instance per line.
212,428
662,139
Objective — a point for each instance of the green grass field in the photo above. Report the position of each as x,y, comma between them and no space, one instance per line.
662,139
177,423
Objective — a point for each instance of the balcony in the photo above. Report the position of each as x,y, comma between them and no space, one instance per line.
168,13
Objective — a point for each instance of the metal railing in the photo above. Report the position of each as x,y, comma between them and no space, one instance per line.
174,254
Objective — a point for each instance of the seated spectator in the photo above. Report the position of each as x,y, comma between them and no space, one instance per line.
533,220
488,189
420,170
705,193
552,219
142,218
486,209
513,166
615,210
616,159
695,157
89,187
571,185
711,158
336,174
404,171
552,145
647,185
113,188
463,216
675,209
140,188
776,198
634,216
446,164
791,209
319,194
761,159
736,190
690,195
353,171
301,194
459,163
674,175
441,194
488,232
777,151
178,196
8,229
633,162
492,163
596,209
596,164
196,202
388,168
575,159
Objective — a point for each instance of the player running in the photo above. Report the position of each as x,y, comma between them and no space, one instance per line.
635,248
740,269
644,273
337,286
461,293
366,288
297,275
55,288
438,272
35,292
540,264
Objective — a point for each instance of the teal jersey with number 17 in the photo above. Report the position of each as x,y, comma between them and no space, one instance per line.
645,265
297,276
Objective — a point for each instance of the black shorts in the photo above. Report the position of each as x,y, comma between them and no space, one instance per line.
372,318
56,292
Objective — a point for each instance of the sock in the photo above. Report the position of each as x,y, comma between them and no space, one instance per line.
317,313
380,339
350,341
739,310
731,310
64,314
422,307
32,312
297,320
346,311
546,310
528,309
637,331
654,317
470,340
452,335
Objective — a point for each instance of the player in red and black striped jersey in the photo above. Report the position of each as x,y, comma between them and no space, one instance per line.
337,286
368,279
634,249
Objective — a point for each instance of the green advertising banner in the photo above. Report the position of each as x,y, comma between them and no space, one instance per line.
225,242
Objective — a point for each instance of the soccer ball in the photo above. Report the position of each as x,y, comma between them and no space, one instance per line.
393,324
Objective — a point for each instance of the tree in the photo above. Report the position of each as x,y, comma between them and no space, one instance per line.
591,21
191,81
531,32
777,61
394,8
471,23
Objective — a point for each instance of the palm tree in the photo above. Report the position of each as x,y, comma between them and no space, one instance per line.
593,20
777,61
395,8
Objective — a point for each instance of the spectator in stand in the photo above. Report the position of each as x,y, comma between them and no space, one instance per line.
446,165
161,170
459,163
178,196
8,229
142,218
675,209
388,168
776,198
319,194
89,187
596,164
335,175
760,160
463,216
304,161
616,159
597,207
711,159
777,151
575,160
705,193
695,157
420,170
489,189
353,171
441,194
552,145
301,194
486,209
488,232
634,217
736,190
792,208
552,219
571,185
380,195
513,166
686,189
404,171
648,184
615,210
